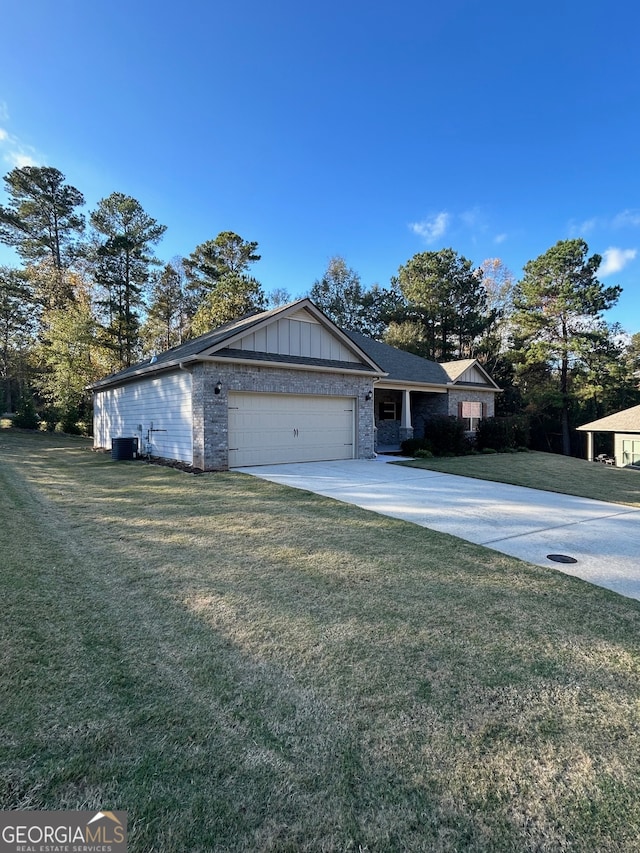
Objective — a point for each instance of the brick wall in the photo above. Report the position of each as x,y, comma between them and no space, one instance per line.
424,408
210,410
460,395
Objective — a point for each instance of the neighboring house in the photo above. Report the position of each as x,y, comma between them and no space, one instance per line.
285,385
625,427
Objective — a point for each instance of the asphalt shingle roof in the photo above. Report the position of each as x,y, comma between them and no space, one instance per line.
401,366
191,348
628,420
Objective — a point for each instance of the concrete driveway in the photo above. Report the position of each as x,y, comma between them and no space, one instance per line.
603,538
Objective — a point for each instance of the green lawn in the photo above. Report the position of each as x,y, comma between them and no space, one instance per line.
242,666
546,471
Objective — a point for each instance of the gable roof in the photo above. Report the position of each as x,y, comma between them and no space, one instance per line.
455,370
628,420
371,357
401,366
218,343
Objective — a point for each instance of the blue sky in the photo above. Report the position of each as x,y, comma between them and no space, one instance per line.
372,130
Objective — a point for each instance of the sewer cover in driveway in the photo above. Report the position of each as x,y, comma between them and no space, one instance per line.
561,558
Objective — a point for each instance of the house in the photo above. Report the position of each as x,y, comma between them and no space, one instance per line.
625,426
414,390
285,385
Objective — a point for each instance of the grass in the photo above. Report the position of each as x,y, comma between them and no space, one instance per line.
242,666
547,471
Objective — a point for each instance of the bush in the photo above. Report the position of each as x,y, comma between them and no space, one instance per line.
446,436
50,415
410,446
423,454
26,417
503,433
69,421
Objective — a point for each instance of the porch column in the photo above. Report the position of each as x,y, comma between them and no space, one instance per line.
406,427
590,446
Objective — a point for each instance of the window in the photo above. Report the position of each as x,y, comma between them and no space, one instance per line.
471,414
387,411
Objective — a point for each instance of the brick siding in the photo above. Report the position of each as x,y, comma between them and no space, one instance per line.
210,410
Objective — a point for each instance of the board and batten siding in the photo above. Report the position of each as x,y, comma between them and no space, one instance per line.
300,337
164,401
473,375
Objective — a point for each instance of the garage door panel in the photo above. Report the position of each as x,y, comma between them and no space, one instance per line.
271,428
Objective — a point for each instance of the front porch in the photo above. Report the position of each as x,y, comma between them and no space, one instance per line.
402,413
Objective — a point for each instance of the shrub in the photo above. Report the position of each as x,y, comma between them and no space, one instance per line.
69,421
446,436
410,446
26,417
503,433
50,415
423,454
488,450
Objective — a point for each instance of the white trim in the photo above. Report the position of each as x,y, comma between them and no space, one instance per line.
399,385
284,365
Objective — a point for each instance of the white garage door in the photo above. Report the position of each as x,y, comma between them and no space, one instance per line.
265,429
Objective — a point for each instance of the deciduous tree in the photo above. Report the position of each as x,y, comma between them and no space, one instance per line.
339,294
17,331
69,355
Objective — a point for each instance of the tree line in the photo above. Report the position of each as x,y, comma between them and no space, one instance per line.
91,297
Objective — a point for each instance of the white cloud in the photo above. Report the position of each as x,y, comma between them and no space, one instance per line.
587,226
614,260
433,228
14,152
499,238
627,218
19,159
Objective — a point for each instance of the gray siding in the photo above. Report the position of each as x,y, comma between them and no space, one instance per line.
295,337
473,375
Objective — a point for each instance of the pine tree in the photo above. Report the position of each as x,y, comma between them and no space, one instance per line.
122,259
558,313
